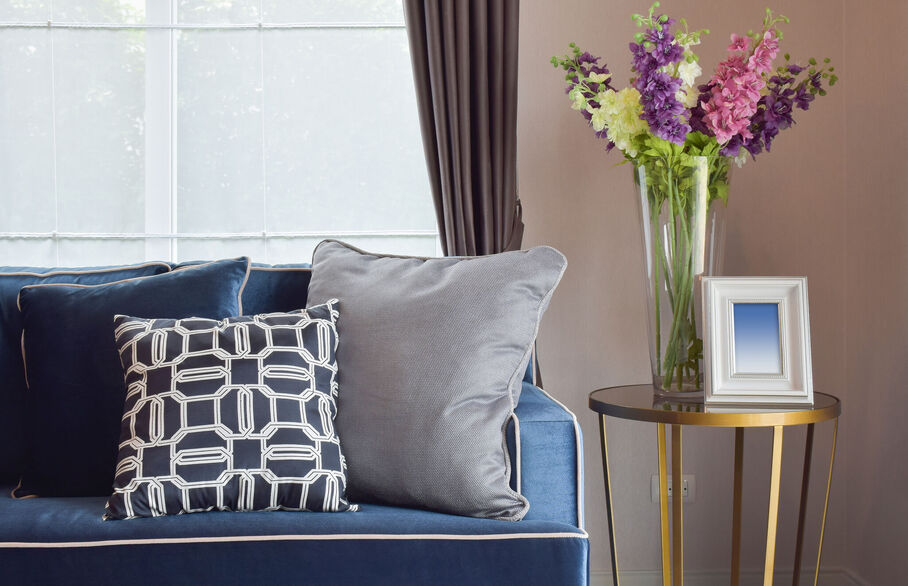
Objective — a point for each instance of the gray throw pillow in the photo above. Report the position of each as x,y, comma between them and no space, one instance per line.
430,360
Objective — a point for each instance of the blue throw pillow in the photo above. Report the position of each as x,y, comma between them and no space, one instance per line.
12,372
272,288
275,288
75,383
229,415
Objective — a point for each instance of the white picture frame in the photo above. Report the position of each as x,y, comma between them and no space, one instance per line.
756,337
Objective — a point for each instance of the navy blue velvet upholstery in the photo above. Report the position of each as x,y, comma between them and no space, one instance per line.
366,547
76,387
551,472
273,288
378,545
12,372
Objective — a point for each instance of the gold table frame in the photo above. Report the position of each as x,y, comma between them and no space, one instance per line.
636,402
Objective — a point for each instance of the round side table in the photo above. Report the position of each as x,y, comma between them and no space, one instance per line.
638,403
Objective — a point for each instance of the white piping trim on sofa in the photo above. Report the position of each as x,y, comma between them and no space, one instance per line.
579,456
325,537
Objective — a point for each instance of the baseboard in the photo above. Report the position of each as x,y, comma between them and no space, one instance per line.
828,577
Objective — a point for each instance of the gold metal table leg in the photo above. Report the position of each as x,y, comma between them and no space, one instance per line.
608,501
736,508
663,506
802,511
677,517
772,524
835,433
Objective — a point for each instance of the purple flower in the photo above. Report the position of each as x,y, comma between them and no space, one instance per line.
586,57
781,80
668,53
803,97
733,147
663,112
795,69
777,113
754,147
815,80
697,120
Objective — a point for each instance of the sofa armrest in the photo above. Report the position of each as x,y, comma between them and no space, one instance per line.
545,446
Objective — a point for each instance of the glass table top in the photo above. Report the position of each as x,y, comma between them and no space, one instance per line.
640,403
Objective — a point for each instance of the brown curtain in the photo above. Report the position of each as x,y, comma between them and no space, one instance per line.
464,55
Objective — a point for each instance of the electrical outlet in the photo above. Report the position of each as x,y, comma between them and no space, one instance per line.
688,488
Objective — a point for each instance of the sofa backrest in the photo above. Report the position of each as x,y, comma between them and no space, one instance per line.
13,389
270,288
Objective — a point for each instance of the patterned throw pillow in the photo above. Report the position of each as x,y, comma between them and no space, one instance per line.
234,415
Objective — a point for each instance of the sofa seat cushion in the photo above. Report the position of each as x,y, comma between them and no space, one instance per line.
64,540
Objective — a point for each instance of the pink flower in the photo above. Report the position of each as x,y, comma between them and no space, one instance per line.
771,41
738,43
736,87
765,53
731,67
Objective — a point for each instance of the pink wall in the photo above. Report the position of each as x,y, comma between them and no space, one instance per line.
816,206
876,291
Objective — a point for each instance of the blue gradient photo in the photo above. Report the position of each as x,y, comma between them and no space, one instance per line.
757,341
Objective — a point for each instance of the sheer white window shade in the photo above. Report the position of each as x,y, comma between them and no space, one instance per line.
202,129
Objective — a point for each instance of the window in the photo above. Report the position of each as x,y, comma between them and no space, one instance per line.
197,129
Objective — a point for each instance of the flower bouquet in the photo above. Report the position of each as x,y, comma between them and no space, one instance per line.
681,138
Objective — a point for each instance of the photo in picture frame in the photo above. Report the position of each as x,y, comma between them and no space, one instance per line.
756,337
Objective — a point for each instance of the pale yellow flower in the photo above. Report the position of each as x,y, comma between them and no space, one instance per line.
687,95
576,95
599,119
620,112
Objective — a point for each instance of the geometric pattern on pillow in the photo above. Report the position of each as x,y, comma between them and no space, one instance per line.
235,415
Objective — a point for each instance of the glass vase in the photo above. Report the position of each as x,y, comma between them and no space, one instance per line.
682,211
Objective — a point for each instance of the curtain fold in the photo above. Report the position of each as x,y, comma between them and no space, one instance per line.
464,56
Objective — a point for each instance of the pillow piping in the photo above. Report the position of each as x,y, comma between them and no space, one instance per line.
88,271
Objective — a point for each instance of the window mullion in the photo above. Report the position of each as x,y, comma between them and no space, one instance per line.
158,140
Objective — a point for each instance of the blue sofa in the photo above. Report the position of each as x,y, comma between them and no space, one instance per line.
65,541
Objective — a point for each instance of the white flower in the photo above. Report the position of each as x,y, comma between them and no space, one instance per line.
689,72
599,119
687,95
598,77
577,96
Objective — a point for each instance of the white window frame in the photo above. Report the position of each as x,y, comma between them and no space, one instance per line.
161,234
